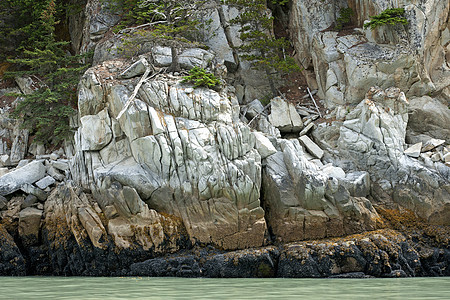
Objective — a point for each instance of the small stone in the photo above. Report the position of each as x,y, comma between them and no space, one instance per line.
306,129
446,158
54,156
3,203
414,150
23,162
431,144
60,165
306,121
436,157
45,182
4,160
29,201
30,189
311,146
302,112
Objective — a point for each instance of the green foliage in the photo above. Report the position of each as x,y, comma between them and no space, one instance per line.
260,48
175,21
390,16
200,77
345,18
46,112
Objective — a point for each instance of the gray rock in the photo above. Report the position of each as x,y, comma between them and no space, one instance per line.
29,201
263,145
414,150
53,172
254,108
45,182
4,160
308,127
284,116
136,69
29,226
3,203
431,144
32,190
14,180
60,164
311,147
54,156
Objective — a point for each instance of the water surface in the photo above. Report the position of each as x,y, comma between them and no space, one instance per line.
181,288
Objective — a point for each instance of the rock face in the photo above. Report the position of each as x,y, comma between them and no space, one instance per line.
162,179
303,202
182,150
346,66
373,139
378,254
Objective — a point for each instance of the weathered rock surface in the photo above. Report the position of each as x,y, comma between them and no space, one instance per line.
302,202
373,137
191,156
382,253
14,180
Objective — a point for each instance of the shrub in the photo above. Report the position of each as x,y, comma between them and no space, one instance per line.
345,18
260,48
200,77
390,16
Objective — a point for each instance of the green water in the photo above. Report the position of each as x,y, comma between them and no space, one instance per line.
180,288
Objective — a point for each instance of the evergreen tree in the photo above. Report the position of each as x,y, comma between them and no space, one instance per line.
173,21
46,112
264,51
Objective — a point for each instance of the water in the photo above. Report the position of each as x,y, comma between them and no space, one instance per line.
181,288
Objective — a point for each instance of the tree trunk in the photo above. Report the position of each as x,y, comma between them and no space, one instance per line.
175,66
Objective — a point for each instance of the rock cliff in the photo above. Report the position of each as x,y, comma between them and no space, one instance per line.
162,178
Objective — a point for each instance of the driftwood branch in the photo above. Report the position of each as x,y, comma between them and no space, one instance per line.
312,97
258,114
136,89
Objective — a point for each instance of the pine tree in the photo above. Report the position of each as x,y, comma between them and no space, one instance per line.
46,112
173,21
264,51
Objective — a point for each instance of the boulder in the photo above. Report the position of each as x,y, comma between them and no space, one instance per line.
136,69
284,116
429,116
414,150
303,202
14,180
29,226
263,145
45,182
311,147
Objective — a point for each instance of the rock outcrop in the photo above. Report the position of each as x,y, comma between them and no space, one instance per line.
162,178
